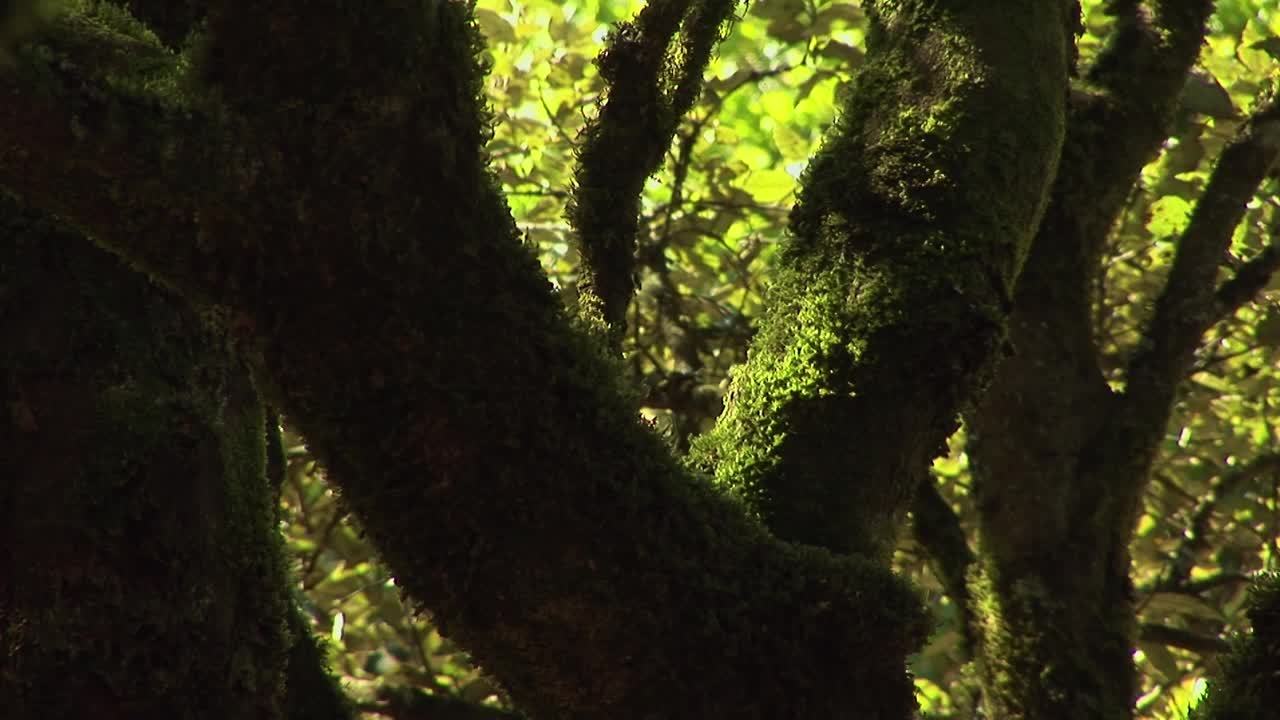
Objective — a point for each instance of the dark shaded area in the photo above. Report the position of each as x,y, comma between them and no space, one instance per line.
141,561
171,20
142,568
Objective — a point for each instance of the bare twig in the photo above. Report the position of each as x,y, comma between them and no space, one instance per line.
653,70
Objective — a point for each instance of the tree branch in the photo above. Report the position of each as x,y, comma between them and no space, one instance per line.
1250,279
1121,115
1190,303
1052,526
1149,52
652,79
1116,123
93,130
349,234
937,529
893,291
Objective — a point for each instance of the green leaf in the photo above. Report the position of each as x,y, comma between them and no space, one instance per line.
1169,603
1161,659
1169,215
494,27
1203,94
790,143
769,186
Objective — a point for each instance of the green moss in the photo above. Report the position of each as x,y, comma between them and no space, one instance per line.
1042,655
1244,686
388,307
887,311
155,579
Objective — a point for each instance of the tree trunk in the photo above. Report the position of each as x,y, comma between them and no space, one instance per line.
1060,460
350,237
142,566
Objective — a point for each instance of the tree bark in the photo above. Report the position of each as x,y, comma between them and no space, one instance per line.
1060,460
368,269
887,311
349,233
142,571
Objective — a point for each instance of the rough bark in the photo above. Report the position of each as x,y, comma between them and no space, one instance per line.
349,232
888,307
141,571
653,72
1060,460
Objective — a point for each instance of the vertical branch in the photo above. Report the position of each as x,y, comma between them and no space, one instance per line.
888,306
1191,301
652,79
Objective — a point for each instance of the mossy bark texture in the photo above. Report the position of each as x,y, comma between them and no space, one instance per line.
351,236
140,568
888,309
312,172
1059,459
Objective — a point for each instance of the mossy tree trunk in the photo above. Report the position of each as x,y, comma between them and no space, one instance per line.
1060,459
313,173
350,233
141,573
887,311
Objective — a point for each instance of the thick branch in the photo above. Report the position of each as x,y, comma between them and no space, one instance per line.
141,568
1148,54
652,79
1117,122
1052,380
1056,577
889,303
372,274
1121,118
87,131
1250,279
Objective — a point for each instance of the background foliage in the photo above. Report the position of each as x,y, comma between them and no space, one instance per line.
711,221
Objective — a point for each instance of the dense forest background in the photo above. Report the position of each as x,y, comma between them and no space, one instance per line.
711,224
